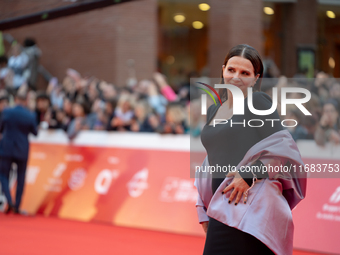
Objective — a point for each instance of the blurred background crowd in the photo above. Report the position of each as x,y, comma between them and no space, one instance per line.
136,77
88,103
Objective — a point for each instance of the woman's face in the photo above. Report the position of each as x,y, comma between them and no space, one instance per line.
239,71
60,116
108,109
78,110
67,106
330,110
139,111
125,106
335,91
42,104
16,50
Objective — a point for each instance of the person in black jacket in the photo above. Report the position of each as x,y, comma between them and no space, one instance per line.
15,125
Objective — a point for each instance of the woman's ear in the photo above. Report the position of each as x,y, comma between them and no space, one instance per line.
256,78
223,67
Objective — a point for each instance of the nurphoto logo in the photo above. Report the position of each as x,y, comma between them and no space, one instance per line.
238,103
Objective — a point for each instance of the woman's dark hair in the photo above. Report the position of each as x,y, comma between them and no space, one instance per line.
112,102
84,104
29,42
247,52
42,96
335,103
3,60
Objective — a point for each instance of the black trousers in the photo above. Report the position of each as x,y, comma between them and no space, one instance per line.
5,168
222,239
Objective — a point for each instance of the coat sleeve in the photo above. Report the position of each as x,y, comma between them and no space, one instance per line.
293,186
200,208
273,165
1,125
248,176
34,126
4,112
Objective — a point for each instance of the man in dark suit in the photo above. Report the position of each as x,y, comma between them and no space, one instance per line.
15,125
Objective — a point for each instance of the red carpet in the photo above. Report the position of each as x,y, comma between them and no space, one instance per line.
51,236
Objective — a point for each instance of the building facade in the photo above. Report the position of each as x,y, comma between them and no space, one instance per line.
299,36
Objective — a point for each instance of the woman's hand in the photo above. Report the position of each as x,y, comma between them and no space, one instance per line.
152,89
334,137
78,124
325,120
179,129
153,121
160,79
239,186
205,226
117,122
134,126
